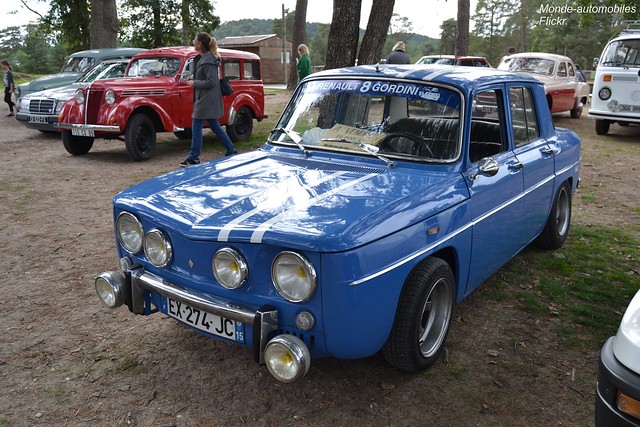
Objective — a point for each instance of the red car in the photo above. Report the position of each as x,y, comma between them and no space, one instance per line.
153,97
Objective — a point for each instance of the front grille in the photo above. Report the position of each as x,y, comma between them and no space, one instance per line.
94,99
42,106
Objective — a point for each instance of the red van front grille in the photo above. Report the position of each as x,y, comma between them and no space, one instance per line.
94,99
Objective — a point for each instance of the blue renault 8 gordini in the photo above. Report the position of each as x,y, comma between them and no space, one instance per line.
384,195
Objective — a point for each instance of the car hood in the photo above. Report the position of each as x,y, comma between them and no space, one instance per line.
290,200
53,80
65,92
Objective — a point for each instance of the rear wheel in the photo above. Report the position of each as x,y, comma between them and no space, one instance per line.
422,318
76,145
577,112
242,126
140,137
602,126
557,228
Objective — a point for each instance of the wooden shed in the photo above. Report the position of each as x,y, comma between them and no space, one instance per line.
269,48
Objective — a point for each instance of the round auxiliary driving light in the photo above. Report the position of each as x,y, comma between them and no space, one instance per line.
108,286
287,358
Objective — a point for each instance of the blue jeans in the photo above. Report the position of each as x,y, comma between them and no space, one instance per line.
196,137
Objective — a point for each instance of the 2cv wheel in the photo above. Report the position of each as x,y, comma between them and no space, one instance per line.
76,145
422,318
140,137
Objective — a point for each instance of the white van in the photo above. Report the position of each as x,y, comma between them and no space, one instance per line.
616,88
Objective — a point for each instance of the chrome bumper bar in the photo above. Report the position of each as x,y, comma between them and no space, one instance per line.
95,128
264,319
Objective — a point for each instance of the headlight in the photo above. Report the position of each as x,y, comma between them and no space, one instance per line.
157,248
604,93
79,96
23,104
129,231
110,97
293,276
230,268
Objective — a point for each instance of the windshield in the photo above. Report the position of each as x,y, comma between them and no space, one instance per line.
78,64
104,70
531,65
622,53
154,66
382,118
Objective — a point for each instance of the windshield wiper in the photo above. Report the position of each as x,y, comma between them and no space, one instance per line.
295,137
371,149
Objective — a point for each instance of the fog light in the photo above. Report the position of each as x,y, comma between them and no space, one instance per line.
109,288
287,358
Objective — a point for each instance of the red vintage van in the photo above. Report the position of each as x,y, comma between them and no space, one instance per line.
153,97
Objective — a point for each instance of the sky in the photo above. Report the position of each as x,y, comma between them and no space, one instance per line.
425,15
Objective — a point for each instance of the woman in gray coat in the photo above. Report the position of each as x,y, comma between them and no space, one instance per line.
207,97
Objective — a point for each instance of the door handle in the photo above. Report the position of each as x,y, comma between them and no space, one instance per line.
516,166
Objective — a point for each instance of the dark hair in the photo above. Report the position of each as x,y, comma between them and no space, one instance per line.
6,63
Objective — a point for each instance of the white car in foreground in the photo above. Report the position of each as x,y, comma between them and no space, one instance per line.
618,387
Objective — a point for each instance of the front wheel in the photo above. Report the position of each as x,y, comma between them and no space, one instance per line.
602,126
557,228
242,126
422,318
140,137
76,145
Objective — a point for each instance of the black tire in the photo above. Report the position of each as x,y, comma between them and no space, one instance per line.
577,112
557,228
422,318
76,145
241,128
140,137
602,126
183,134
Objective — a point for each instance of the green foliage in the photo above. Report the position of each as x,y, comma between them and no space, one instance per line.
69,20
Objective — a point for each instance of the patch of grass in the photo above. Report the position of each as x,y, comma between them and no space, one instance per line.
587,284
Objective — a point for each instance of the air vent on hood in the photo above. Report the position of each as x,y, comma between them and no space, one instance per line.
326,166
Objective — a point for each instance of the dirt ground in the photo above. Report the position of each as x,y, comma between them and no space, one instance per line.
67,360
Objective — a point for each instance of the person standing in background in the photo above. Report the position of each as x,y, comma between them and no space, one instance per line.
398,55
304,63
207,97
8,85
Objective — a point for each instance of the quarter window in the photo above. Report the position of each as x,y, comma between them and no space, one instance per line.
524,121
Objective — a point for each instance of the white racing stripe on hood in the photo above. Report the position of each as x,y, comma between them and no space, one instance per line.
227,229
257,235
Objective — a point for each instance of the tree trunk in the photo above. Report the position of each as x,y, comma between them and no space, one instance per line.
299,37
184,12
373,43
343,34
462,33
104,24
157,24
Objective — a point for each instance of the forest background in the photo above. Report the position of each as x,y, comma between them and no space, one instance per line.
578,29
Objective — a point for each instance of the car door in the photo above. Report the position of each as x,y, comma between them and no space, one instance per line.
496,199
565,89
537,160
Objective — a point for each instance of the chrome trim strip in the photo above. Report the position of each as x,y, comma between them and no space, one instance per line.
97,128
460,230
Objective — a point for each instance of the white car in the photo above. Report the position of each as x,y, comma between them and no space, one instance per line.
565,91
618,387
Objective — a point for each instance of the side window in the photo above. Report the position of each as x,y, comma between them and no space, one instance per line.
251,70
232,69
524,121
562,69
572,72
485,139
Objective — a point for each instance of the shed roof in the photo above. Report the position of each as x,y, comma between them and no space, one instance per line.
244,40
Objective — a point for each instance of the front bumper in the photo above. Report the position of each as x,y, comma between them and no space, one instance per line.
50,125
133,284
94,128
614,377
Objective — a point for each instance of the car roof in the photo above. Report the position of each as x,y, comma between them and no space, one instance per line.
107,52
542,55
190,51
464,78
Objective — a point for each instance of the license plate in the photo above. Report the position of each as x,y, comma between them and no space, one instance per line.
82,132
211,323
37,119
